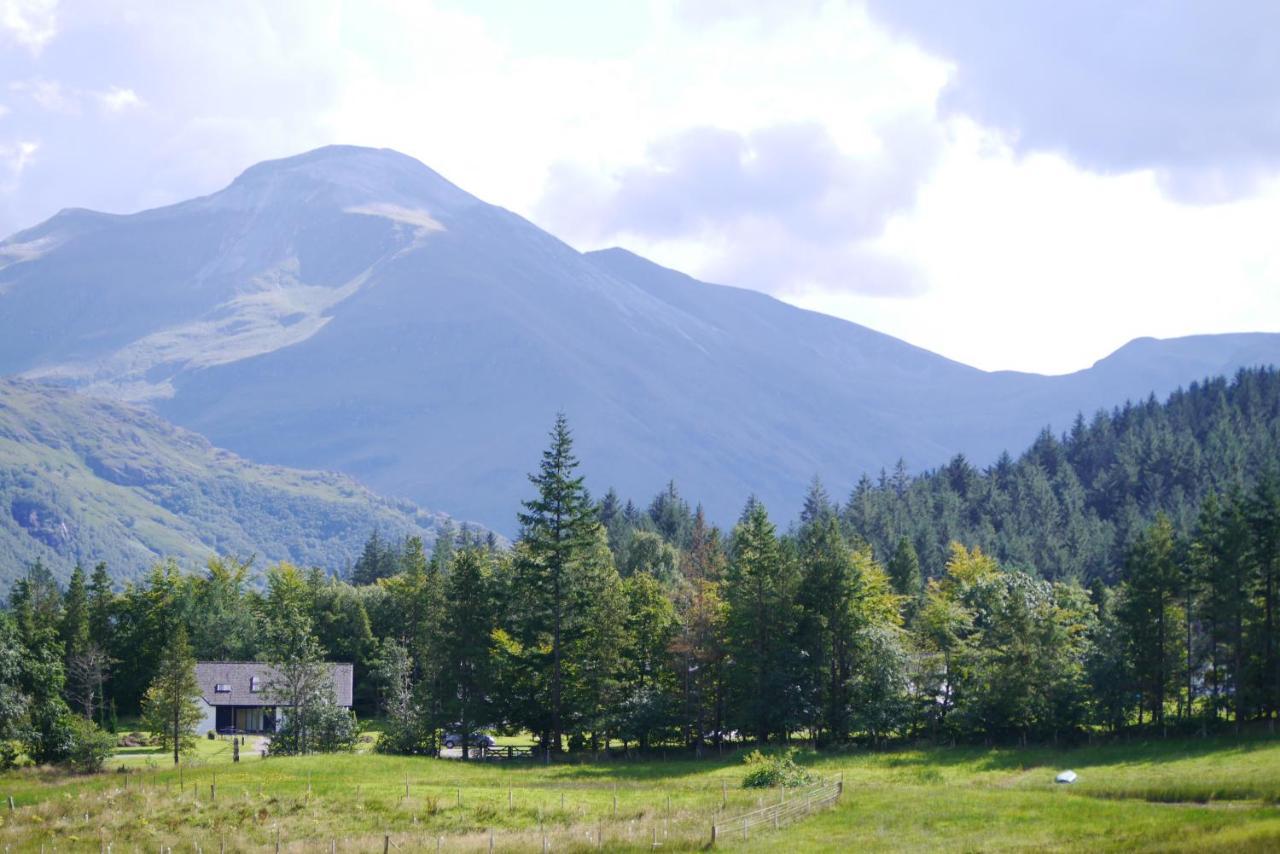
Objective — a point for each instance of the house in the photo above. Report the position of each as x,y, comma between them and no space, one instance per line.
237,698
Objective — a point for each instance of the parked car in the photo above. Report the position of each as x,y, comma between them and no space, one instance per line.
477,739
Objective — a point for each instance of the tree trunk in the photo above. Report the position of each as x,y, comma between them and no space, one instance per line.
176,709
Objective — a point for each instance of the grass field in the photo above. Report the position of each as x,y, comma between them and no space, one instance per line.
1194,795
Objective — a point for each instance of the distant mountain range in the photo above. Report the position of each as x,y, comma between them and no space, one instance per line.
85,479
349,309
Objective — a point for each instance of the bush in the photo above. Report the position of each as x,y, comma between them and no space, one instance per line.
10,753
764,771
323,728
334,729
211,735
50,735
90,746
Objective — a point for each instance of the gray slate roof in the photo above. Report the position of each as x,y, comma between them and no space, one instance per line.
237,674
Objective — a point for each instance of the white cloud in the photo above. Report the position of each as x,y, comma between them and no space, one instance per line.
56,97
1036,264
783,206
118,99
15,157
31,24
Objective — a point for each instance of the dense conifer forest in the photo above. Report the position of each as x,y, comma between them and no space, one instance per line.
1125,575
1072,505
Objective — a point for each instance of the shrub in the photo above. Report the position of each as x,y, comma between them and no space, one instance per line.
324,728
50,735
90,745
10,753
764,771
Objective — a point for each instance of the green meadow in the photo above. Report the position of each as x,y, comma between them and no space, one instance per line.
1192,795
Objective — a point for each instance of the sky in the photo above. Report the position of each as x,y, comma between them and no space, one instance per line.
1013,185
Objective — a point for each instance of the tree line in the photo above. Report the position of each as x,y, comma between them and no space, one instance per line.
608,623
1072,505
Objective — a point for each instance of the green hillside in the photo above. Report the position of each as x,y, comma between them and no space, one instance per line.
83,479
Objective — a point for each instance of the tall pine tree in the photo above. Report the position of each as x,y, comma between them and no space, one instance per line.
558,534
760,622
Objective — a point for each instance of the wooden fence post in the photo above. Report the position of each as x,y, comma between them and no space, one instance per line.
386,843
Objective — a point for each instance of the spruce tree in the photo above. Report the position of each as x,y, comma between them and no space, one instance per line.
1263,511
597,650
87,662
817,503
1150,612
828,621
759,626
558,530
467,643
1230,581
904,572
75,613
101,606
699,645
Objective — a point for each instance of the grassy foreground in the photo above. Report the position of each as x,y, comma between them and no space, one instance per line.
1215,794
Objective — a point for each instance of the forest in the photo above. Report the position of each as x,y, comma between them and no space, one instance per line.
1121,577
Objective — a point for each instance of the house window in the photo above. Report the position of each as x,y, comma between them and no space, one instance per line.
255,684
222,688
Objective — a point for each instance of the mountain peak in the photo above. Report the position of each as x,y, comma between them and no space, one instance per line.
326,157
351,173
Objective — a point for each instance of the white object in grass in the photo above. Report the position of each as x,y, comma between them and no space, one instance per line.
1065,777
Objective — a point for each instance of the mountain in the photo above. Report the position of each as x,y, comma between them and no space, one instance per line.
350,309
86,479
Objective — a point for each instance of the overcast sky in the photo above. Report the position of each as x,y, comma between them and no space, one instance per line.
1013,185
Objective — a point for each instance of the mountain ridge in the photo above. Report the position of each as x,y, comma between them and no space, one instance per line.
351,309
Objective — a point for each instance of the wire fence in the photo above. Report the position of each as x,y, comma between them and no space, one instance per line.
790,807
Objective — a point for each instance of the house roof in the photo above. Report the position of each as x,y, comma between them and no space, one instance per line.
238,675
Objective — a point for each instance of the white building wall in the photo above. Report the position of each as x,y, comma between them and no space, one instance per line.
209,721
